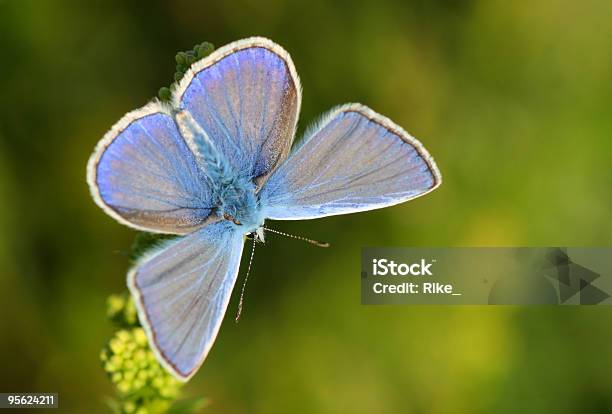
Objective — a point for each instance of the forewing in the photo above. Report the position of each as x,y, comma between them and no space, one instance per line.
246,96
354,160
144,175
182,292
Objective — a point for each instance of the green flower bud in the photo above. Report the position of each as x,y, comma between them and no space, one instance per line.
124,387
129,407
139,355
158,382
121,310
131,314
123,335
204,49
181,58
116,360
116,346
110,367
164,94
140,337
114,305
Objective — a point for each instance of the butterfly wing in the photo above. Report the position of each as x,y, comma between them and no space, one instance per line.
182,292
143,174
246,96
353,160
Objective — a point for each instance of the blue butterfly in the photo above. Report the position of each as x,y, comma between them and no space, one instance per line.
216,163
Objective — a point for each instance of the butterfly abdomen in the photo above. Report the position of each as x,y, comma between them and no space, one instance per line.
209,159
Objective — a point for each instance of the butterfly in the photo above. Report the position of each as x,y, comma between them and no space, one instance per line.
218,161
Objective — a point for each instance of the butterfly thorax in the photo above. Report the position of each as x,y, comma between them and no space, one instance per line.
237,201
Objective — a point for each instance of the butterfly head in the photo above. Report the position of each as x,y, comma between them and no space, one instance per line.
252,230
249,223
239,204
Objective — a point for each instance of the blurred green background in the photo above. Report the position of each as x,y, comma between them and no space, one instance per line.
513,99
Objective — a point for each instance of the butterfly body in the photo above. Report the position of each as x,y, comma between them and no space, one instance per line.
216,163
233,193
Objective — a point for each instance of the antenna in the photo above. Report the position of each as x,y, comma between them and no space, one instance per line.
245,282
307,240
255,241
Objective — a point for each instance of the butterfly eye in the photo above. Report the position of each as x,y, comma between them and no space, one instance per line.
232,219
